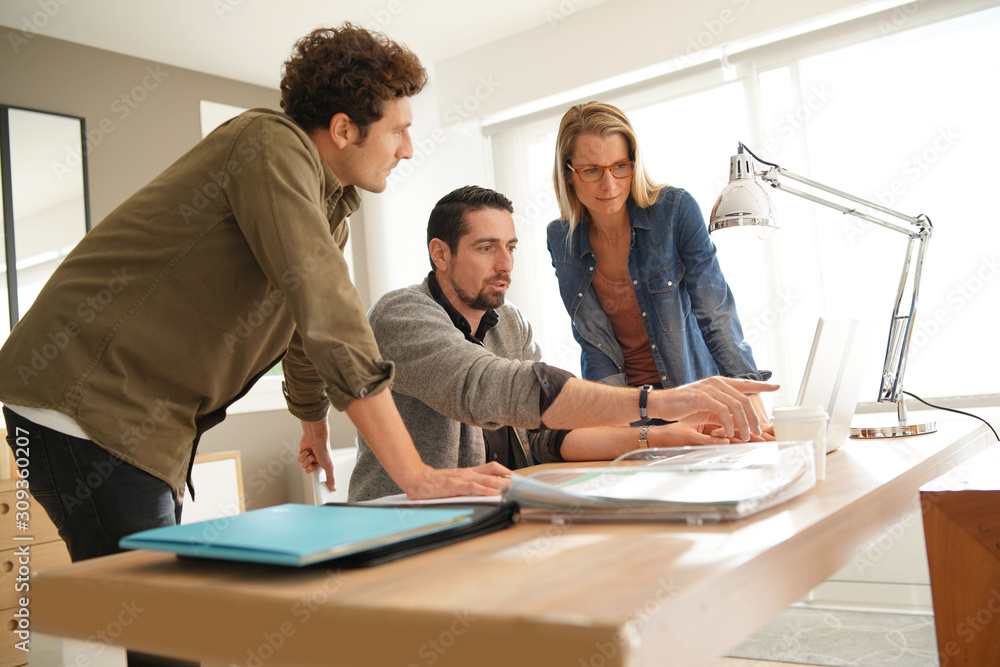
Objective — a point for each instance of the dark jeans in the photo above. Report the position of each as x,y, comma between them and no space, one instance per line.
93,497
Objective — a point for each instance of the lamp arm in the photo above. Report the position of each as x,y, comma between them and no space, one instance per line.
771,177
901,326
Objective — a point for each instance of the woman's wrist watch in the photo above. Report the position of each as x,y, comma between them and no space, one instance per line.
643,431
643,398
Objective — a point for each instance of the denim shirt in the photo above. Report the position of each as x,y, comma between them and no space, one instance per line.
687,307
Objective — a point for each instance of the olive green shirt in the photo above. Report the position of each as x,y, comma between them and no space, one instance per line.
172,306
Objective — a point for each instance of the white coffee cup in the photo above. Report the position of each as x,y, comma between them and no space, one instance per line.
806,422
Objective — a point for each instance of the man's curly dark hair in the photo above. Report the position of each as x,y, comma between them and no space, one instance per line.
347,70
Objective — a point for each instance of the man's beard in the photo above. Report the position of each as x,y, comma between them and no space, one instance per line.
486,298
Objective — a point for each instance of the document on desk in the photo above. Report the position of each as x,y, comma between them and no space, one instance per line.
298,535
694,484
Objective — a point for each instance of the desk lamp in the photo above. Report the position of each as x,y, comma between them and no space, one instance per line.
745,202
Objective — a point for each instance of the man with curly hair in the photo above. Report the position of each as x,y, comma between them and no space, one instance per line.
188,292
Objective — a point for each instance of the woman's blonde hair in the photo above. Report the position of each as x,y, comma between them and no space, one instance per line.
603,120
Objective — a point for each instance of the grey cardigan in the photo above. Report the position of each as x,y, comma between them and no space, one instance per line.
448,389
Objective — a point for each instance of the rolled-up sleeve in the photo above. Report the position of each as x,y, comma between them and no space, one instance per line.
289,207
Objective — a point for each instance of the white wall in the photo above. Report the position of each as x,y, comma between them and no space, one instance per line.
445,157
544,67
582,49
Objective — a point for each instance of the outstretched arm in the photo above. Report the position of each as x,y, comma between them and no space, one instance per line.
609,442
714,400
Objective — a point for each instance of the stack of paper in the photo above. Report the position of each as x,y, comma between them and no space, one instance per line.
695,484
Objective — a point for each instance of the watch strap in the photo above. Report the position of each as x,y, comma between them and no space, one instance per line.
643,399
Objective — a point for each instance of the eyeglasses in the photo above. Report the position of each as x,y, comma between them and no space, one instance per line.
594,173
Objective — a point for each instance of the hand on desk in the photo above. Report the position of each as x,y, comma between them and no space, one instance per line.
767,435
680,434
718,401
485,480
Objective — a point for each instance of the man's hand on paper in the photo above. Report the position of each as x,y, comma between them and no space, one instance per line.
485,480
715,400
680,434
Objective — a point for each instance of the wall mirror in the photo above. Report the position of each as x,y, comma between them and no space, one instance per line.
46,208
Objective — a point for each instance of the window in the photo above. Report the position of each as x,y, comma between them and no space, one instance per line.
905,119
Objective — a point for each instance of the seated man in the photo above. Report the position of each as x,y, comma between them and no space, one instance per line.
469,384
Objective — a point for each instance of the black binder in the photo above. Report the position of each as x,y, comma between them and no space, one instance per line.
486,518
342,535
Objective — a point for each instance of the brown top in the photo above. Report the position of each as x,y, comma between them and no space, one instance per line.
178,300
619,303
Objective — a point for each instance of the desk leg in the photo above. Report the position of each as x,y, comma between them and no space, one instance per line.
962,530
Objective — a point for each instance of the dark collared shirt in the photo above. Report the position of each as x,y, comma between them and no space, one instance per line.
499,442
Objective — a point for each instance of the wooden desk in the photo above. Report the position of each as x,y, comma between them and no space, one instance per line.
962,529
536,594
44,547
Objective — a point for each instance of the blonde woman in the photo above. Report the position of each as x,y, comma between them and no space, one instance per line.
637,271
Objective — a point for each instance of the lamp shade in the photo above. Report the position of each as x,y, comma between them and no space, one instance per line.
744,202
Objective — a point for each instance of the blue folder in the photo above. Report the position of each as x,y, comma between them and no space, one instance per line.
298,535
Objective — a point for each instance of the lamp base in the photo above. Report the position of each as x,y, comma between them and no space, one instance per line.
893,431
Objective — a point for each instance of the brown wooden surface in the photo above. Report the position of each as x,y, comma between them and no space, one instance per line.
10,655
45,550
962,532
534,594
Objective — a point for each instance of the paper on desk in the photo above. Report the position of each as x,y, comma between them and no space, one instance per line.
401,499
705,483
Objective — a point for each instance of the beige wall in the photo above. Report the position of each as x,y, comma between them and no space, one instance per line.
134,138
140,115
